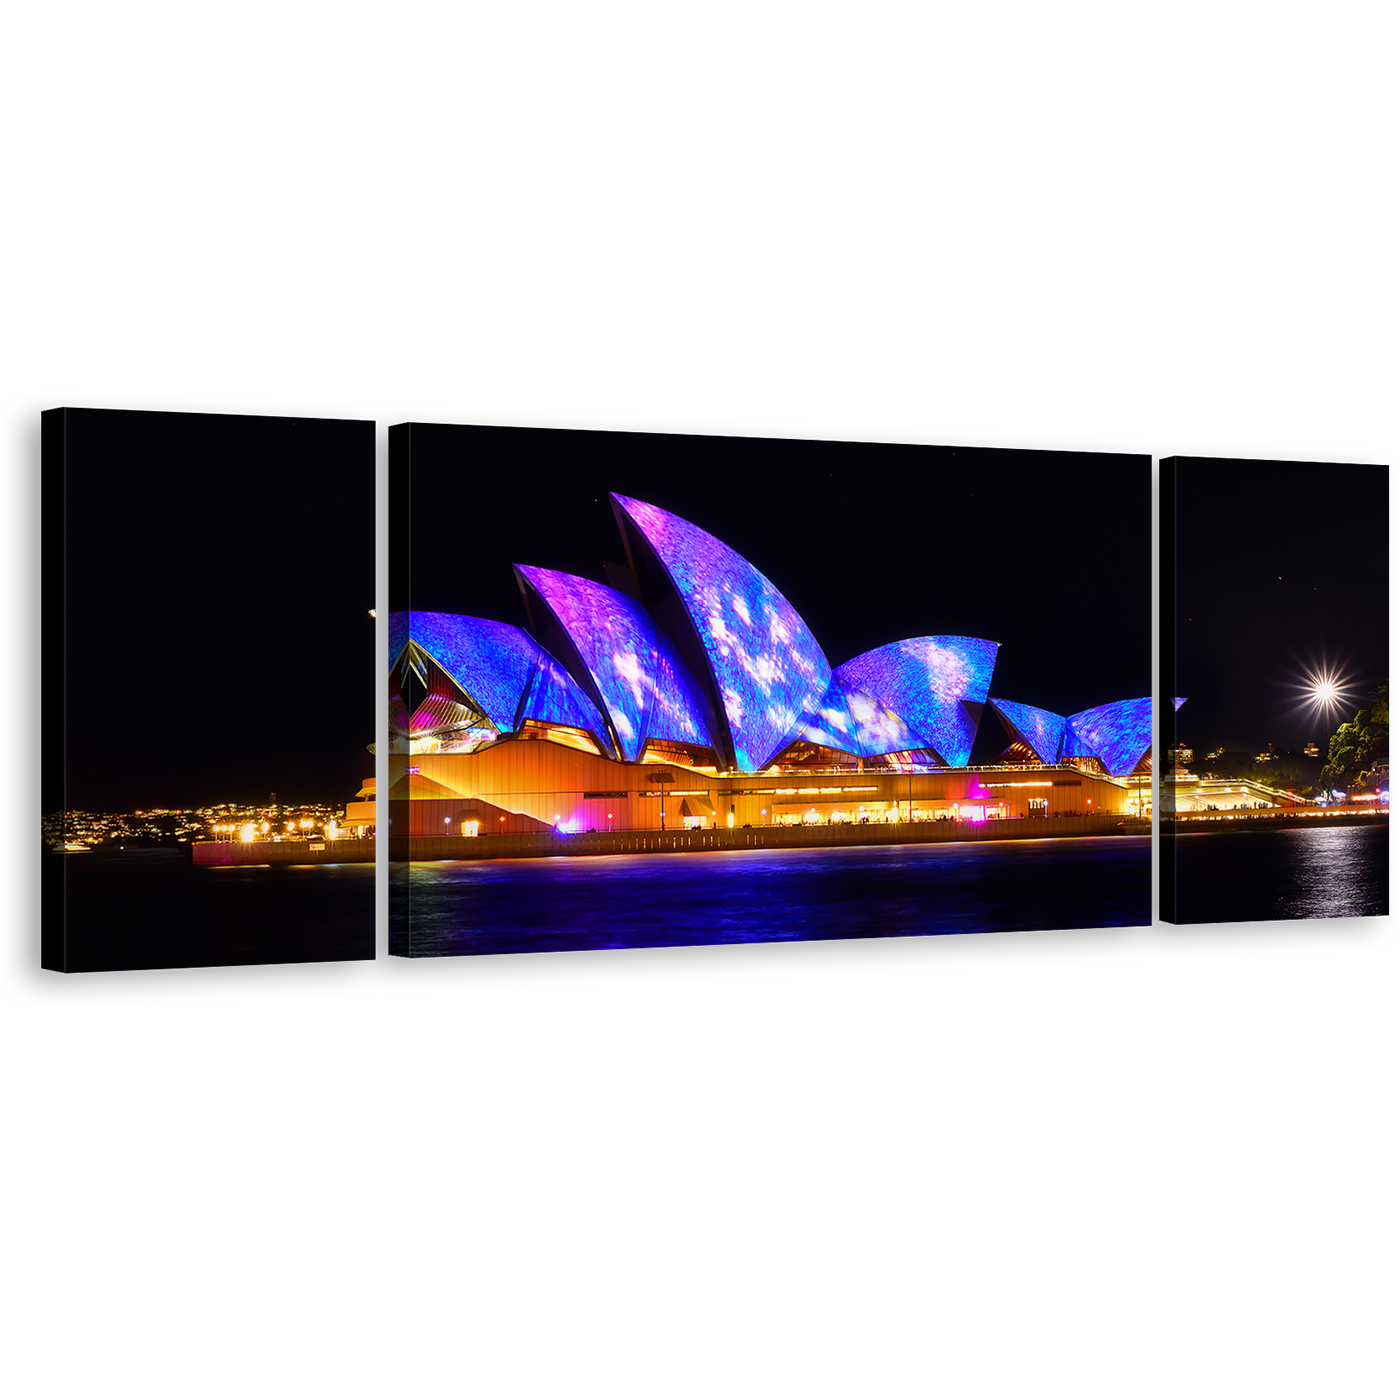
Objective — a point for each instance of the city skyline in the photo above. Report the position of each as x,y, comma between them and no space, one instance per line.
183,824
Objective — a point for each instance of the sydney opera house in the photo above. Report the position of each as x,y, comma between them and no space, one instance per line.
687,692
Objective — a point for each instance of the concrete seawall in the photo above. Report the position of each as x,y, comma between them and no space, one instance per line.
606,843
280,852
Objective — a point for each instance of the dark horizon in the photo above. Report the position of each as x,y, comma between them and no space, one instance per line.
219,573
1281,568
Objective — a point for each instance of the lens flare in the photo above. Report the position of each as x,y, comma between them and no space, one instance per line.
1324,691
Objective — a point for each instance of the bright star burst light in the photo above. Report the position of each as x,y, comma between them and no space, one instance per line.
1324,691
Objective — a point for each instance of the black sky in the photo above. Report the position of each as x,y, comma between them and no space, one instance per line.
216,564
219,575
1040,551
1280,567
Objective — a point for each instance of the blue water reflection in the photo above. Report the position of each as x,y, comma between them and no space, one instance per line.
756,896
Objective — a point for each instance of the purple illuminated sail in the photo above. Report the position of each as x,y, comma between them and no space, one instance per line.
1040,729
830,722
767,666
878,729
924,680
554,697
645,686
491,661
1117,734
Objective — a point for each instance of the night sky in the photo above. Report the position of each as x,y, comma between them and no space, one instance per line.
220,572
1281,567
1040,551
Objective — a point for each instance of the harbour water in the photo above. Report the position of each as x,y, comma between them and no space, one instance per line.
153,908
758,896
1295,873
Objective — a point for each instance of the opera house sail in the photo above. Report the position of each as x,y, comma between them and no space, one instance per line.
687,694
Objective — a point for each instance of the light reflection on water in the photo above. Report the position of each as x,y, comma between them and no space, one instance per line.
757,896
1299,873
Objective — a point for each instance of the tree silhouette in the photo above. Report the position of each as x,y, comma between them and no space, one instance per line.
1360,746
